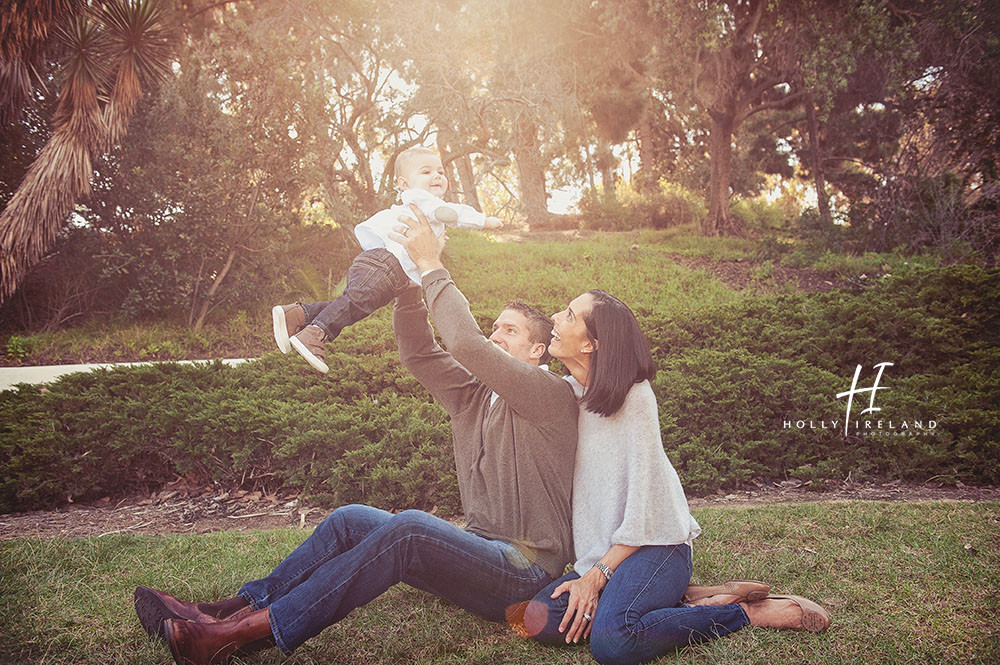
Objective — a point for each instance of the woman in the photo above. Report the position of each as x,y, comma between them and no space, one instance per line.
631,526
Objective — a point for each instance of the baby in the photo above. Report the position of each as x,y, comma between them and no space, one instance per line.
384,268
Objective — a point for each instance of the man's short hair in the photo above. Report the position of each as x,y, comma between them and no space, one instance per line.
402,158
539,326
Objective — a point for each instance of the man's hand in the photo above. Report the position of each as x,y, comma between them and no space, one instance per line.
419,240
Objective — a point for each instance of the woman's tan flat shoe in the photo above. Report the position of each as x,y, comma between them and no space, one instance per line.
748,590
815,619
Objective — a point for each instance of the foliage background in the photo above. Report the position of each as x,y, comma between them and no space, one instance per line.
732,368
860,126
856,139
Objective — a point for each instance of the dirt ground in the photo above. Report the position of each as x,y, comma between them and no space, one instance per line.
739,275
184,509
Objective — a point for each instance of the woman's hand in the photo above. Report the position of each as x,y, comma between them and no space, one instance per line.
583,594
416,235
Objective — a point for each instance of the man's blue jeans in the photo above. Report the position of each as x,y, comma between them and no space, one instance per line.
358,552
639,615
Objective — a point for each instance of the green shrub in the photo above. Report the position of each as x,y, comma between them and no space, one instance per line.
758,214
602,213
668,206
368,433
143,277
680,205
732,371
731,375
18,347
723,416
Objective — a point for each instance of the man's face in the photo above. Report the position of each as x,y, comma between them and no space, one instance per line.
424,171
510,333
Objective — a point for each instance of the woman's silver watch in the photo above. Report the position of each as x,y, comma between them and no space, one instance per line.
605,570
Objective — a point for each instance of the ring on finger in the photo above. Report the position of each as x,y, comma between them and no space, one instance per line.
586,616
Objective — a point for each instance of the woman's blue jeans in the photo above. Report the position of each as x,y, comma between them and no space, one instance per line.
358,552
639,615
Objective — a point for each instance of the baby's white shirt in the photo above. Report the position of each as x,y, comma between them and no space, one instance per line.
374,231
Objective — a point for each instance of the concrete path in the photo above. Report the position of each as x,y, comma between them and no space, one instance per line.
11,376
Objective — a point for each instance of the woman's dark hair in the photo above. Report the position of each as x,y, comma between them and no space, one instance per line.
621,356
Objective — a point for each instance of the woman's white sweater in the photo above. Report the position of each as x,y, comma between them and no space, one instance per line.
625,490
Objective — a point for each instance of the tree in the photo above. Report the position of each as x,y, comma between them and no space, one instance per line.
941,186
113,51
448,54
270,108
903,121
493,78
735,60
201,201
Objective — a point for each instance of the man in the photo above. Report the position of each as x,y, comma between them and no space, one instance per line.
514,431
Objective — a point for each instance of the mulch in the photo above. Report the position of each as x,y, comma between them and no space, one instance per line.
183,508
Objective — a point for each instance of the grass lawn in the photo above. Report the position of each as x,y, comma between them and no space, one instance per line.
905,583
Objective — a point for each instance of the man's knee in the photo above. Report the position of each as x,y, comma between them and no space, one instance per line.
351,522
346,515
412,522
541,622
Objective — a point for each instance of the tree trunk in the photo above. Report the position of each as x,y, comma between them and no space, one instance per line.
647,177
468,180
590,169
449,168
531,177
362,182
717,221
206,302
823,202
605,162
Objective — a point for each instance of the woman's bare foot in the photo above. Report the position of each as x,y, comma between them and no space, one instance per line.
791,612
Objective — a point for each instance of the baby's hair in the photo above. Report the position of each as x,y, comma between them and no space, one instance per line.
405,156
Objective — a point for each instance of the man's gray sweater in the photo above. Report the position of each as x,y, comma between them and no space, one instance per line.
514,458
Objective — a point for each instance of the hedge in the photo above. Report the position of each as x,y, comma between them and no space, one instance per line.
730,377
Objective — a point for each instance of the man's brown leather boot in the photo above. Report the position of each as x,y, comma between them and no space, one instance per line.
193,643
154,607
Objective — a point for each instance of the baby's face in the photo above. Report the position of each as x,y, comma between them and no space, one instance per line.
424,171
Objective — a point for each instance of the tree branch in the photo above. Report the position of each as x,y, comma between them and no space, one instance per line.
212,5
778,103
759,88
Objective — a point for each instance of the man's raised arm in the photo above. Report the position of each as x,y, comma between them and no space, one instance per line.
450,383
527,389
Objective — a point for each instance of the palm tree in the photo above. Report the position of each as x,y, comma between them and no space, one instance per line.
108,51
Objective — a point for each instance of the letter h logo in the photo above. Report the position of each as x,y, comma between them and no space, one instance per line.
855,390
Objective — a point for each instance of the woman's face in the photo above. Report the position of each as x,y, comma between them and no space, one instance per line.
569,332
